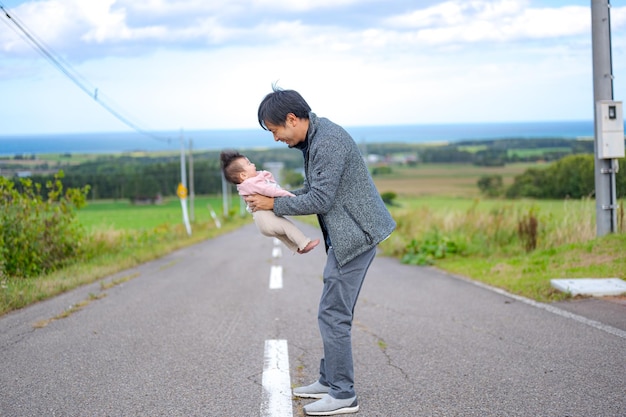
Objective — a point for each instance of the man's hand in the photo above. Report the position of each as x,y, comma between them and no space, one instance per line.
259,202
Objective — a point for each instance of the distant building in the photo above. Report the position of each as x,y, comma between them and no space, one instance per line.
373,158
275,168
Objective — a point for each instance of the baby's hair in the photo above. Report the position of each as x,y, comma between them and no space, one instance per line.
230,168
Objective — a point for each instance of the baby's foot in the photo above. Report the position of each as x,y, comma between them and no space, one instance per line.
309,247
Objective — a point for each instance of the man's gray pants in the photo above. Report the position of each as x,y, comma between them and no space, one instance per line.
339,296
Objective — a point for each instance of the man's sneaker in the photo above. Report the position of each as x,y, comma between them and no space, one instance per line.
315,390
329,406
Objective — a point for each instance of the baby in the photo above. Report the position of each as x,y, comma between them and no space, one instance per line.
239,170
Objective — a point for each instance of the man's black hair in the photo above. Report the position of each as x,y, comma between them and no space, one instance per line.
278,104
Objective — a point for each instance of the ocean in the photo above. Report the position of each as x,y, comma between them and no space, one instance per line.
118,142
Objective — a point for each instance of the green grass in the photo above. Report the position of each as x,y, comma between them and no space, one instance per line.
122,215
436,197
530,274
489,248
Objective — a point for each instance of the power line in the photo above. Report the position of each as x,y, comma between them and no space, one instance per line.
74,76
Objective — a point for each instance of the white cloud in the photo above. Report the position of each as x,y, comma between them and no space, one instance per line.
81,29
203,64
105,24
456,12
487,21
305,5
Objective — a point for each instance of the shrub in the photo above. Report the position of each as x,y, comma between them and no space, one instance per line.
426,251
527,229
38,235
491,185
501,229
389,197
381,170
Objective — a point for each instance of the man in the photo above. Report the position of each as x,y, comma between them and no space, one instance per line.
354,220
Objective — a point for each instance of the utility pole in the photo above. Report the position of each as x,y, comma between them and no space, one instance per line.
605,161
225,197
182,187
192,193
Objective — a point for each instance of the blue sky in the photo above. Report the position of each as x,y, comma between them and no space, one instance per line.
206,64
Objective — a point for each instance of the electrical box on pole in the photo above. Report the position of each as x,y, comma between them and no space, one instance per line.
610,129
608,119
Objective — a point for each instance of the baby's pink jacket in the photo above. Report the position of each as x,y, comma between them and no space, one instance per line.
263,183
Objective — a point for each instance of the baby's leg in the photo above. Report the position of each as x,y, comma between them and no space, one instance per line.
281,228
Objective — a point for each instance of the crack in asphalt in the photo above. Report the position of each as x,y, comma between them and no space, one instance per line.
383,348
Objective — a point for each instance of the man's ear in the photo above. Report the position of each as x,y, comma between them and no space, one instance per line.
291,120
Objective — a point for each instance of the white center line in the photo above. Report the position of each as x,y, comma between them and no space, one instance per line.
276,401
276,277
276,274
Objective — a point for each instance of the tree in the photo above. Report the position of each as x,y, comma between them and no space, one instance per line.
292,179
570,177
491,185
388,197
529,184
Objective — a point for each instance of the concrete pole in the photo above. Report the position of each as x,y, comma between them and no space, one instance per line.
225,197
183,172
606,220
183,181
192,191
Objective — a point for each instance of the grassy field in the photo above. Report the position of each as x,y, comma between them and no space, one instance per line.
437,204
441,203
450,180
490,249
445,198
122,215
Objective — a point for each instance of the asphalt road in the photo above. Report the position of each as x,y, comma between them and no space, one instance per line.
186,336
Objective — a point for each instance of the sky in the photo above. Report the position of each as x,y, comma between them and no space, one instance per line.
207,64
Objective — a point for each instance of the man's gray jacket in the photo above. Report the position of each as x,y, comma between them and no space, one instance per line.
339,189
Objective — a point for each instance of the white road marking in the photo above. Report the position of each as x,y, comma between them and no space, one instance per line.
276,277
276,401
554,310
277,252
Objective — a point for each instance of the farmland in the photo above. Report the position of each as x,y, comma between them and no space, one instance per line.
436,204
450,180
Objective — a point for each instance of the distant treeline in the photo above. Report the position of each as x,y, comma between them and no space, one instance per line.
570,177
139,178
129,177
496,152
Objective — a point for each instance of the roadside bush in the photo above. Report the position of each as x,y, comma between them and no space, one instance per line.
433,246
424,235
38,235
